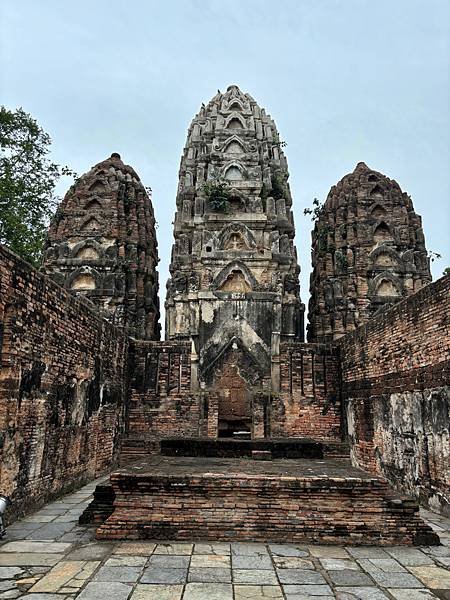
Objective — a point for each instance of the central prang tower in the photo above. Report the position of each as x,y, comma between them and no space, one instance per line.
234,289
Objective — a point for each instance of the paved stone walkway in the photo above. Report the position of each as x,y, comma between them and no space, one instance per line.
47,556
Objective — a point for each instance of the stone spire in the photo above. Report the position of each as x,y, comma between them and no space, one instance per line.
234,287
368,252
102,245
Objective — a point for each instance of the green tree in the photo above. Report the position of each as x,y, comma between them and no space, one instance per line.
27,184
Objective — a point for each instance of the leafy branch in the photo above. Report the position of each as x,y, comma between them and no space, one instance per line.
217,191
316,210
433,255
27,184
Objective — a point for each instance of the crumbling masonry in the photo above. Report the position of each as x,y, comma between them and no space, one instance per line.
84,375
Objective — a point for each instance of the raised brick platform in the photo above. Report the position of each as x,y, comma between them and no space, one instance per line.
279,501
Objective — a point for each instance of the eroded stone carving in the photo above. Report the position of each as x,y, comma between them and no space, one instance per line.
102,244
367,253
246,263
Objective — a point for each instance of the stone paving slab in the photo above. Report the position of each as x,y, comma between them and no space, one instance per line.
110,591
220,548
258,561
58,576
32,546
121,574
254,576
70,565
258,592
209,575
360,593
208,591
300,576
308,590
415,594
164,575
211,560
29,559
157,592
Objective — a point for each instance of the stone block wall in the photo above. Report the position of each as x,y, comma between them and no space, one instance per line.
62,387
396,386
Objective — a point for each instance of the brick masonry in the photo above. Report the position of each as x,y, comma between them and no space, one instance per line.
71,383
62,385
396,378
162,403
280,501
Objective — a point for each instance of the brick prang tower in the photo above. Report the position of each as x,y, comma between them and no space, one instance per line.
368,252
102,245
234,289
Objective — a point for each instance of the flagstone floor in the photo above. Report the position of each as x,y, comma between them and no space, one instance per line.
47,556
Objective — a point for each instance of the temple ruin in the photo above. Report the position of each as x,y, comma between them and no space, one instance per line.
234,289
102,245
368,253
233,427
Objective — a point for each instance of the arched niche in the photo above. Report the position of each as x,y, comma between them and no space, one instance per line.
236,204
378,212
235,122
234,146
235,282
235,241
376,192
97,187
385,256
91,225
386,288
235,105
382,233
87,253
385,285
83,281
235,277
93,205
236,236
234,173
384,260
87,249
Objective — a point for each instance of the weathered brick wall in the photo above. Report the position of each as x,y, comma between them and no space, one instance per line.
161,403
62,383
309,403
396,385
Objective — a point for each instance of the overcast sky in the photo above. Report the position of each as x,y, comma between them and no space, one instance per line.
345,80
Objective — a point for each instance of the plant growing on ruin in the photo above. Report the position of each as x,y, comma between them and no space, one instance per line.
341,262
322,238
433,255
315,210
278,190
27,184
217,191
322,229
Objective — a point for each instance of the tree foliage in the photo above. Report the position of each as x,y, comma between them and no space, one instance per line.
27,184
